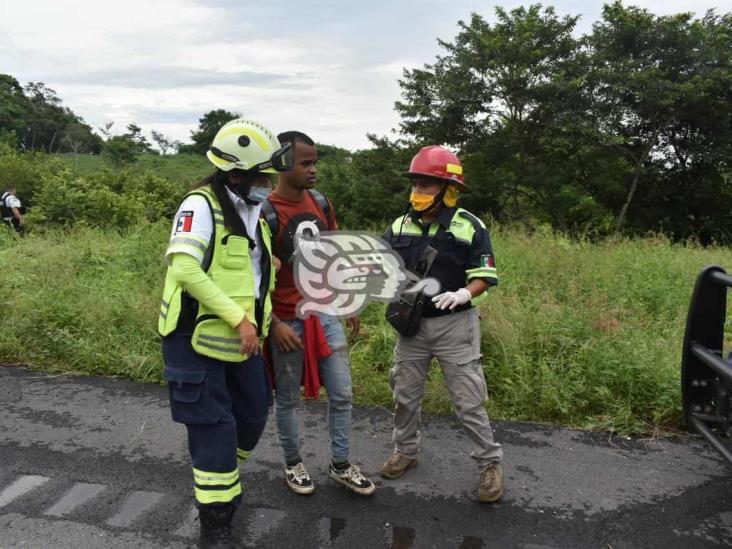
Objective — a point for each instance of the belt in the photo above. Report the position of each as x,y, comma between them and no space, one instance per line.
431,311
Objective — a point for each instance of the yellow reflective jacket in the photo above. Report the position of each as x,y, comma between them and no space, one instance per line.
228,263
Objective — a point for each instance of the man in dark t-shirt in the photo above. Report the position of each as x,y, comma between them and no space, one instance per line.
304,216
301,210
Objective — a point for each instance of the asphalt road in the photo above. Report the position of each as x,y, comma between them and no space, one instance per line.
92,462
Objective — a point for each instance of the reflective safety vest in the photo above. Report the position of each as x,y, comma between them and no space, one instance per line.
228,263
457,235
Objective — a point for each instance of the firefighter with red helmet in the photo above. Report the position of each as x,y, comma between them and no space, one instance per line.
439,240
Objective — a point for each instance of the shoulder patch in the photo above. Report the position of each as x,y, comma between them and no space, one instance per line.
487,261
185,221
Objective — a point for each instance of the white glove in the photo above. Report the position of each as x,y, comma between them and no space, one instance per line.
450,300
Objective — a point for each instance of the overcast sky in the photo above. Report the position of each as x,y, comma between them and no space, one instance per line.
327,68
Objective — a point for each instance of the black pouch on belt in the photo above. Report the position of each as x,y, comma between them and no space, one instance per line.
405,313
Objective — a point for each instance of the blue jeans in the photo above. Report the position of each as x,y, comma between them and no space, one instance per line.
335,374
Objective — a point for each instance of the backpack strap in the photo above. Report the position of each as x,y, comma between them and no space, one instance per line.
269,213
321,200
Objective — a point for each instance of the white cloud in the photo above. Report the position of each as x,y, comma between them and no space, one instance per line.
327,68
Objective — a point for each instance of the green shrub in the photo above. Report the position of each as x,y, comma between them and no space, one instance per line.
104,198
181,169
120,151
25,171
581,334
84,300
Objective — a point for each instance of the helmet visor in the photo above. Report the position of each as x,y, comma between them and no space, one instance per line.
280,161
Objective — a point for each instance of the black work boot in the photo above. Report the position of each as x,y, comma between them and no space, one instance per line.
216,527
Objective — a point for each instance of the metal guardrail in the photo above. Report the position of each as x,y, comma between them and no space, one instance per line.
706,377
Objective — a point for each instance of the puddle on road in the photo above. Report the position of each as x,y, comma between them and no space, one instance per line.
329,528
470,542
399,537
261,522
402,537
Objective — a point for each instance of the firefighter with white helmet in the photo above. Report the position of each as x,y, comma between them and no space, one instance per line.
437,239
216,307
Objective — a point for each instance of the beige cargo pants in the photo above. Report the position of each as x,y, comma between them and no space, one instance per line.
454,340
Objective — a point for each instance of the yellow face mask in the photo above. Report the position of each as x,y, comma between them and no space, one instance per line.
420,202
451,196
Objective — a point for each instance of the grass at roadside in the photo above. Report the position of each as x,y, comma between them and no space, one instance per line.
577,333
84,300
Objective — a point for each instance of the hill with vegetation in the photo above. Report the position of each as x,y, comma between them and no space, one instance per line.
602,164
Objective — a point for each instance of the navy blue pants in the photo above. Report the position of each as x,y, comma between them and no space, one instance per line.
224,406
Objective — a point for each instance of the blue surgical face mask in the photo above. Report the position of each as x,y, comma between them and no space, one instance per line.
258,194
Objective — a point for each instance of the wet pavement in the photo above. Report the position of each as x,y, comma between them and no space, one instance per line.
95,462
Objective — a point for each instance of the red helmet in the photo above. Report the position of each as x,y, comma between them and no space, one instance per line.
438,162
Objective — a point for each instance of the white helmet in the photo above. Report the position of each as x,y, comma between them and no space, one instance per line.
249,146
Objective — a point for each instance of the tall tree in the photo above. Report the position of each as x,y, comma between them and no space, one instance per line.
106,130
134,134
642,68
208,125
163,143
13,106
46,118
509,96
35,114
628,127
78,138
695,150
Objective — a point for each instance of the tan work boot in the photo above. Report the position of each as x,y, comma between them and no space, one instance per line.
397,465
490,488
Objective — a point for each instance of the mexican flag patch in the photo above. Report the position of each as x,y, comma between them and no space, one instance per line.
185,221
486,261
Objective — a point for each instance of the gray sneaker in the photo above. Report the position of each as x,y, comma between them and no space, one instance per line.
352,478
298,480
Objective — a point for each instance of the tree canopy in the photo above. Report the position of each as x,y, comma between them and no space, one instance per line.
627,126
208,125
40,122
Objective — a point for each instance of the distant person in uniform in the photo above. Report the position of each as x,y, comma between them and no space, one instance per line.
12,210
